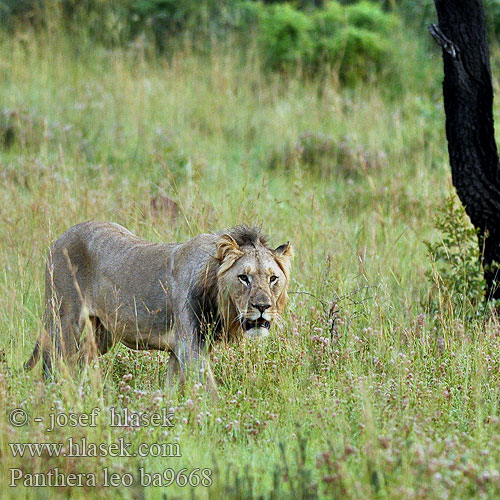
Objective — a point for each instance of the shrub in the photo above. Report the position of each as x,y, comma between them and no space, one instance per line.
329,20
104,21
421,13
14,11
457,278
356,53
285,36
352,39
492,12
369,16
167,19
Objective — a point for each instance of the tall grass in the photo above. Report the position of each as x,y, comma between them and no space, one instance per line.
363,393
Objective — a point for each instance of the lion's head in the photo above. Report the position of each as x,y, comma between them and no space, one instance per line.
252,281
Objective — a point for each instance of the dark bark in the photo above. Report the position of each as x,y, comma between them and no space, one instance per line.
468,104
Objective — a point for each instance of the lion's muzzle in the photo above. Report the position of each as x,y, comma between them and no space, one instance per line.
249,324
256,327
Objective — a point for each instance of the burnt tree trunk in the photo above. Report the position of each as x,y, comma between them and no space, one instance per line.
468,104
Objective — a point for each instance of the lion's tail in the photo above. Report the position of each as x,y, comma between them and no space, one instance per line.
35,356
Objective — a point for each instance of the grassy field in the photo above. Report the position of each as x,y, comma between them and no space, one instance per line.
365,392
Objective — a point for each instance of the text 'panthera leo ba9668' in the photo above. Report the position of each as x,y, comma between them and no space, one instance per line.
147,295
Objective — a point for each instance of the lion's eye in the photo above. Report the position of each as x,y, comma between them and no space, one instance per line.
273,279
244,279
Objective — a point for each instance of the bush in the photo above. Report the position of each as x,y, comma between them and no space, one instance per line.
369,16
167,19
104,21
112,21
15,11
285,36
421,13
457,278
354,39
351,38
492,12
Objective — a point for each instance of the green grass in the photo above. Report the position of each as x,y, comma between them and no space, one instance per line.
393,402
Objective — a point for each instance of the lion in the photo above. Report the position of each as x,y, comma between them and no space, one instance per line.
176,297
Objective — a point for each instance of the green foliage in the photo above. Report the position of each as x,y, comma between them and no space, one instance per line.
492,12
390,403
329,19
354,39
362,44
104,21
167,19
121,19
12,11
357,53
421,13
457,277
369,16
285,36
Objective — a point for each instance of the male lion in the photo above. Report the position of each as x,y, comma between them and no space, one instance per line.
158,296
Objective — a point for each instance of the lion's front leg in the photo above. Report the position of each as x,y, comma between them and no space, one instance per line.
192,360
206,371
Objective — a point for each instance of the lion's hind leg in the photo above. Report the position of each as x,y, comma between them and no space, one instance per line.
64,321
102,336
49,341
65,342
60,339
35,356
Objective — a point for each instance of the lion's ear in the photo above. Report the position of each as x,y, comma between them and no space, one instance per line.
283,257
227,245
284,250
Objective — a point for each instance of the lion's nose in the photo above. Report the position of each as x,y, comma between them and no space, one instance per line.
261,307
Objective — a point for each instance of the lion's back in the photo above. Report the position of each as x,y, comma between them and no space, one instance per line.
100,253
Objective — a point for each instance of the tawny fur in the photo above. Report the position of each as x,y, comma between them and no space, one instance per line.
147,295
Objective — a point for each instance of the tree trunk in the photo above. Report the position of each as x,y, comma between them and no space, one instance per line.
468,104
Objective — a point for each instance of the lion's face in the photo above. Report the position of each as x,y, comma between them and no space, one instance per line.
253,283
